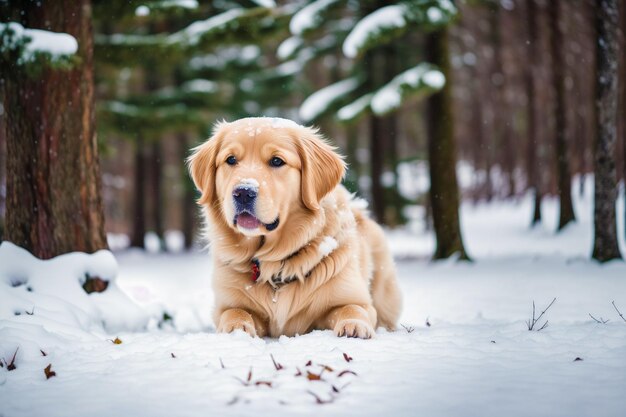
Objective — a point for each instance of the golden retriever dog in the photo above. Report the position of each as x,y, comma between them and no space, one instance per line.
292,250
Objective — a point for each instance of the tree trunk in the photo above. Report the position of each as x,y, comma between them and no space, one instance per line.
139,204
564,178
605,246
190,208
444,192
623,95
53,186
531,129
156,162
377,160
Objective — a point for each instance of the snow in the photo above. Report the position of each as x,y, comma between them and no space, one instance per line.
288,47
38,41
434,14
250,182
327,245
372,25
200,86
309,17
193,33
476,357
354,109
265,3
142,10
389,97
224,56
318,102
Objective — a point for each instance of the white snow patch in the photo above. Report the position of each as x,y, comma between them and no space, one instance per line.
309,16
434,14
327,245
194,31
54,289
250,182
434,78
200,86
265,3
57,44
371,25
318,102
287,47
389,97
142,10
355,108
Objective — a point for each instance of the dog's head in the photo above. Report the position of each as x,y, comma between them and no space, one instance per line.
255,172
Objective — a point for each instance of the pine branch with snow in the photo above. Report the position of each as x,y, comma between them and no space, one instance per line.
35,48
390,22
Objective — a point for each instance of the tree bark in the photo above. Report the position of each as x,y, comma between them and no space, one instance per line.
531,129
444,192
53,183
190,207
139,203
605,246
623,95
156,162
564,177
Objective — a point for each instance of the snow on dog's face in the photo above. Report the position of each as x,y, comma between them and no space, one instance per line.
256,171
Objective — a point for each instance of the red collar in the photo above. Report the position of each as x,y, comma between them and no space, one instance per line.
256,269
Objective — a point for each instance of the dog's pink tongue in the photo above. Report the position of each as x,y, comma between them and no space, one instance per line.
248,221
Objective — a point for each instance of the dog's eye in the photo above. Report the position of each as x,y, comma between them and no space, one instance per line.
231,160
276,162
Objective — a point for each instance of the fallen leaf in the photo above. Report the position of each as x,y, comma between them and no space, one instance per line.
222,364
173,356
117,341
299,373
266,383
347,357
347,371
49,372
427,322
326,367
43,353
309,363
578,359
313,377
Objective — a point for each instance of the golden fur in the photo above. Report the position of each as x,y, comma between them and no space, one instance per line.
342,272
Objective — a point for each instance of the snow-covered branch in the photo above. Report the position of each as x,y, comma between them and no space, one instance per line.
30,44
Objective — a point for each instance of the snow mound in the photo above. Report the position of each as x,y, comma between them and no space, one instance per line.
44,300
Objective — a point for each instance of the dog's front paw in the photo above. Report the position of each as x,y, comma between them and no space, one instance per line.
236,319
354,328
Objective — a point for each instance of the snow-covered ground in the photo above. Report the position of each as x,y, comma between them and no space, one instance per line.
465,351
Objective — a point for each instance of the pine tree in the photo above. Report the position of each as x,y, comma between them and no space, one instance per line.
605,246
564,178
53,182
182,95
368,88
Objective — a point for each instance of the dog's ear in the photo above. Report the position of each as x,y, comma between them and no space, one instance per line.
201,164
322,167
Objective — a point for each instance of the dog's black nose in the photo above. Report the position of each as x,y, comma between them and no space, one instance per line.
244,195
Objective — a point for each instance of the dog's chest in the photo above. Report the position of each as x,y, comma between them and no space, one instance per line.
281,306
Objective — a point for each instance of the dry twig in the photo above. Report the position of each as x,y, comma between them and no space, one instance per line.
531,323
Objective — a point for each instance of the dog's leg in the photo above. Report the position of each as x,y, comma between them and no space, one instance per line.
238,319
352,321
